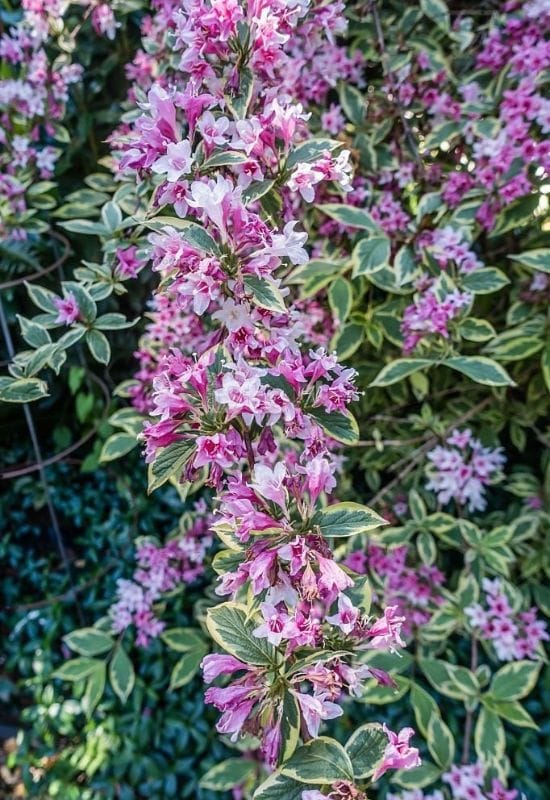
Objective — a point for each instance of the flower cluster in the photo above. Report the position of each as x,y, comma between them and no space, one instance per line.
415,591
467,782
431,314
463,469
241,391
513,634
34,93
160,569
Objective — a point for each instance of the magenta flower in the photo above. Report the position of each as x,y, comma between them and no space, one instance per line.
315,710
385,632
398,754
176,162
347,615
67,309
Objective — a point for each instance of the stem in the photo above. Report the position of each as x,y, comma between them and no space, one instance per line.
412,459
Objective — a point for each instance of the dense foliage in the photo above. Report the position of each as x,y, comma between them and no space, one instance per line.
343,372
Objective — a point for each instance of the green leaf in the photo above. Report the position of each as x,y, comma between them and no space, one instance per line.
350,216
183,639
256,190
34,334
89,641
480,369
404,265
517,215
437,11
76,669
450,680
426,547
511,711
111,216
99,346
366,747
230,627
418,777
169,463
186,668
535,259
417,506
545,366
489,737
353,103
117,446
113,321
484,281
290,725
95,686
515,680
224,158
342,427
340,297
238,103
42,298
347,340
321,760
265,293
198,237
22,390
347,519
440,134
279,787
476,330
441,743
311,150
85,226
360,594
510,348
399,369
121,674
228,774
428,204
424,707
371,255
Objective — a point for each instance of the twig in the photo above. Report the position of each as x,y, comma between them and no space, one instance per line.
388,442
62,598
413,458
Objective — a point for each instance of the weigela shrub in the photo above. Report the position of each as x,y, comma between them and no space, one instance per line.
315,184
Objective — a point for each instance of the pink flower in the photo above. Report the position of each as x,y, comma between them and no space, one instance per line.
223,449
104,21
67,308
315,710
398,754
217,664
273,626
319,476
269,483
176,162
128,263
499,792
303,179
332,577
347,615
386,631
